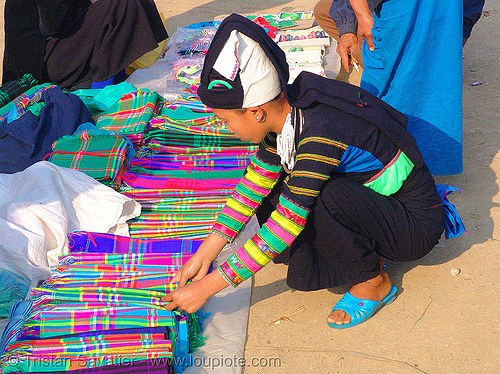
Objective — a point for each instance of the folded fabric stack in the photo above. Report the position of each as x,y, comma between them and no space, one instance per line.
84,241
100,154
191,163
101,309
185,174
188,100
130,115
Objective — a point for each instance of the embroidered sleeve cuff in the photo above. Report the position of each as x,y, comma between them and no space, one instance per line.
225,277
222,235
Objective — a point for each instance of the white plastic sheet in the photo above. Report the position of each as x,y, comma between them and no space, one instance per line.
226,328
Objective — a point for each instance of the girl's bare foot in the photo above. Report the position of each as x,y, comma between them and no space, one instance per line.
375,289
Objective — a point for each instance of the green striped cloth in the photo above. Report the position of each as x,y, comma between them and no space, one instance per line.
100,154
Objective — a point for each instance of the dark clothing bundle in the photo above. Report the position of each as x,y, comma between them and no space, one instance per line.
28,139
75,42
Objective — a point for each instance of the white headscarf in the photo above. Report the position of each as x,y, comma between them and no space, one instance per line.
259,78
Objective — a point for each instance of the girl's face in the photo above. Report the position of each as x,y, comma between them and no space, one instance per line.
245,125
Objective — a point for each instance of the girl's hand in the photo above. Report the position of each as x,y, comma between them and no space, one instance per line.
197,266
195,269
194,295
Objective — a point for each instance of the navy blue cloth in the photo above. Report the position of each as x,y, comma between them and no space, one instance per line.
29,138
472,12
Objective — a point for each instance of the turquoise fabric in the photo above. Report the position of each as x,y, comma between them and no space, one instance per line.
13,287
99,100
416,67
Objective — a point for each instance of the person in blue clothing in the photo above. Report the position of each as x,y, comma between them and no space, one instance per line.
338,19
412,59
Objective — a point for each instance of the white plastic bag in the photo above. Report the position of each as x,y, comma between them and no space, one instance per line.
42,204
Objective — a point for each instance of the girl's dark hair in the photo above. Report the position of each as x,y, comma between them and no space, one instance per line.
243,110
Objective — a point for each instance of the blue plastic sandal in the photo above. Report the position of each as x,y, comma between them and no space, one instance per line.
360,310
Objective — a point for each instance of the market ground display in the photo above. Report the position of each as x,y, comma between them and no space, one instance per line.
444,319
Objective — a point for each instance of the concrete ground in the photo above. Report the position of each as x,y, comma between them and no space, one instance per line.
440,322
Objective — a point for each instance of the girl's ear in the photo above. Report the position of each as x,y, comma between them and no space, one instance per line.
256,111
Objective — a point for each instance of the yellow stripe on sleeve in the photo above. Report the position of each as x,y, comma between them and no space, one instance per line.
259,180
239,207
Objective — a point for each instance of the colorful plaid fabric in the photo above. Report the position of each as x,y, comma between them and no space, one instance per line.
82,241
101,155
191,231
19,104
157,195
208,134
12,89
162,259
58,354
183,177
18,314
155,365
188,101
183,115
57,319
117,269
131,114
145,271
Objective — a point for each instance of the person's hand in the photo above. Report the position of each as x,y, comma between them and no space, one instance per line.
345,48
194,269
194,295
365,25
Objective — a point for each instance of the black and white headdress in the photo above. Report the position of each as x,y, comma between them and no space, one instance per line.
243,67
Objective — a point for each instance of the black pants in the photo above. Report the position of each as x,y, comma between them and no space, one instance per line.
351,226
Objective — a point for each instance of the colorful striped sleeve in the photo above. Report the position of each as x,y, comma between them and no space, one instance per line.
258,181
316,159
